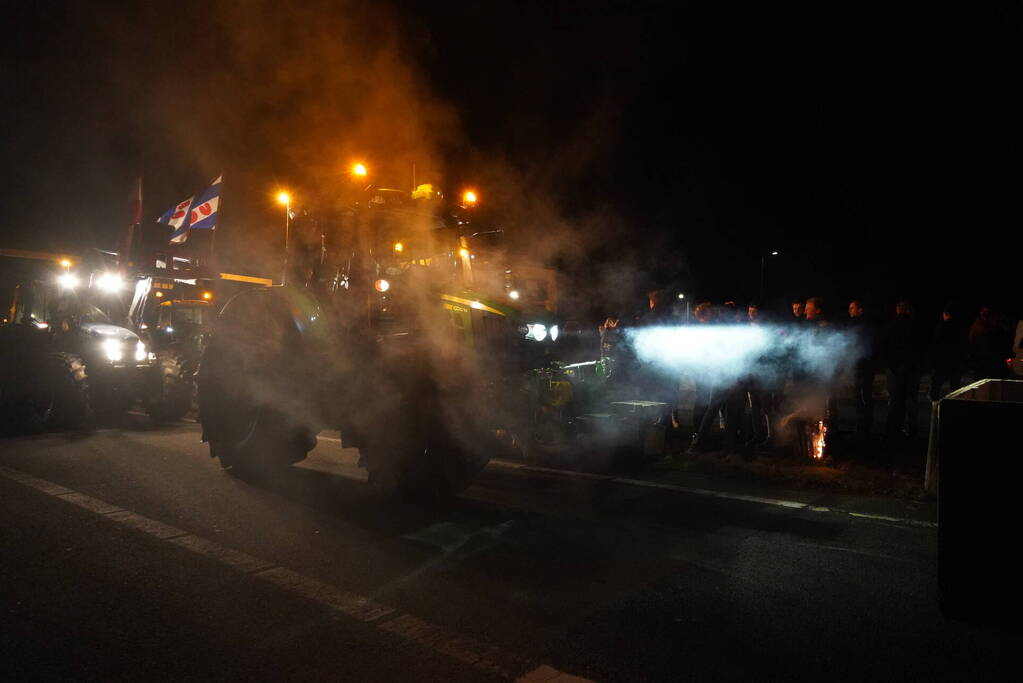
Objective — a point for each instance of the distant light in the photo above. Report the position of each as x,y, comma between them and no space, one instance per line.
207,295
359,170
159,295
469,197
514,294
463,252
774,253
399,247
283,198
66,263
110,282
554,332
169,329
382,285
67,281
681,296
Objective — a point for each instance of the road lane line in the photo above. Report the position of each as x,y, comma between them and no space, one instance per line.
229,556
96,505
149,526
465,649
645,483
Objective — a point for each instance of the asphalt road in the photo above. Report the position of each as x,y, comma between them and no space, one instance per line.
128,554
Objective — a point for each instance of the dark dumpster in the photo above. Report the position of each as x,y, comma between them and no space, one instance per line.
980,473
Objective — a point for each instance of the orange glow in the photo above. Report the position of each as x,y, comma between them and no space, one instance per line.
359,169
463,252
283,198
399,247
817,440
66,263
207,295
469,197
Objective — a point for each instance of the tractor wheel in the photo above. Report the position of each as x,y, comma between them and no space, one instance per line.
64,396
247,435
254,441
169,395
424,461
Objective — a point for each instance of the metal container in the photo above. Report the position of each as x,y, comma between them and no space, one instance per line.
980,472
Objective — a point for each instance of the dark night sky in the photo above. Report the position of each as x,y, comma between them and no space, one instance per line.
684,137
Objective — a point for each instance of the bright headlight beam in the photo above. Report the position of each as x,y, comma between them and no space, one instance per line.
537,331
112,349
110,282
727,353
67,280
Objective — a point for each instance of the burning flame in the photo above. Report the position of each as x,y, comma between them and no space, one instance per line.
817,440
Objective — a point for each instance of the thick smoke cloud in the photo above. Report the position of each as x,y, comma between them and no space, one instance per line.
724,354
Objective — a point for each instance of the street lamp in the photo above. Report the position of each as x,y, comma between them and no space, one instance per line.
469,198
359,170
284,199
763,269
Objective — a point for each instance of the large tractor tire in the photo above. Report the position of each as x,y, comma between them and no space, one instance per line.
423,453
255,401
64,399
169,395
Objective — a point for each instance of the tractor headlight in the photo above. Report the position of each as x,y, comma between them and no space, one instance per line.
110,282
140,352
112,349
67,280
536,331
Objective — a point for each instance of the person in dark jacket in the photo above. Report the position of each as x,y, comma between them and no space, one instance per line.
863,367
990,345
902,350
948,354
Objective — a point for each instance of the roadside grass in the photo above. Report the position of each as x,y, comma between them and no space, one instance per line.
882,470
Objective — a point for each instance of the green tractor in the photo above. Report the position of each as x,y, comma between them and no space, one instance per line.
408,337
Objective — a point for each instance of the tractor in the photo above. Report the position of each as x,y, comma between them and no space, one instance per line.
67,356
406,335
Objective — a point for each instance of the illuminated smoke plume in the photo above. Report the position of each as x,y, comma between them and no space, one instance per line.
729,353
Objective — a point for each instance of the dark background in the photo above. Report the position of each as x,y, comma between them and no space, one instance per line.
633,144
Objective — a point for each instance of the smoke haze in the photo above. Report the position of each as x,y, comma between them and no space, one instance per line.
725,354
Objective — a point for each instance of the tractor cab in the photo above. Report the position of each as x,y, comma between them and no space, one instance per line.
183,321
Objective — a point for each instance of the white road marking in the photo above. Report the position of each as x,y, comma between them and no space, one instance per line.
468,650
791,504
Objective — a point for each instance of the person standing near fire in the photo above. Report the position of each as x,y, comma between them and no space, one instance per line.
864,334
902,350
948,354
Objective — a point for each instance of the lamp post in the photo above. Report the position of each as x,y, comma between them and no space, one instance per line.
763,269
285,199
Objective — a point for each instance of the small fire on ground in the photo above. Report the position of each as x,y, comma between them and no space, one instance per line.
817,440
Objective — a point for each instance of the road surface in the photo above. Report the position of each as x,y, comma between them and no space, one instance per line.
128,554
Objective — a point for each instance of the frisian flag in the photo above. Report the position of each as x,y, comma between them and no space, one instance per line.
198,212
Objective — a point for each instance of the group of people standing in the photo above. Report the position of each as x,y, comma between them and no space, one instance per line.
901,348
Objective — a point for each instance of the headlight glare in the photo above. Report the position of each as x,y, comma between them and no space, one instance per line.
555,332
140,352
112,349
110,282
537,332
